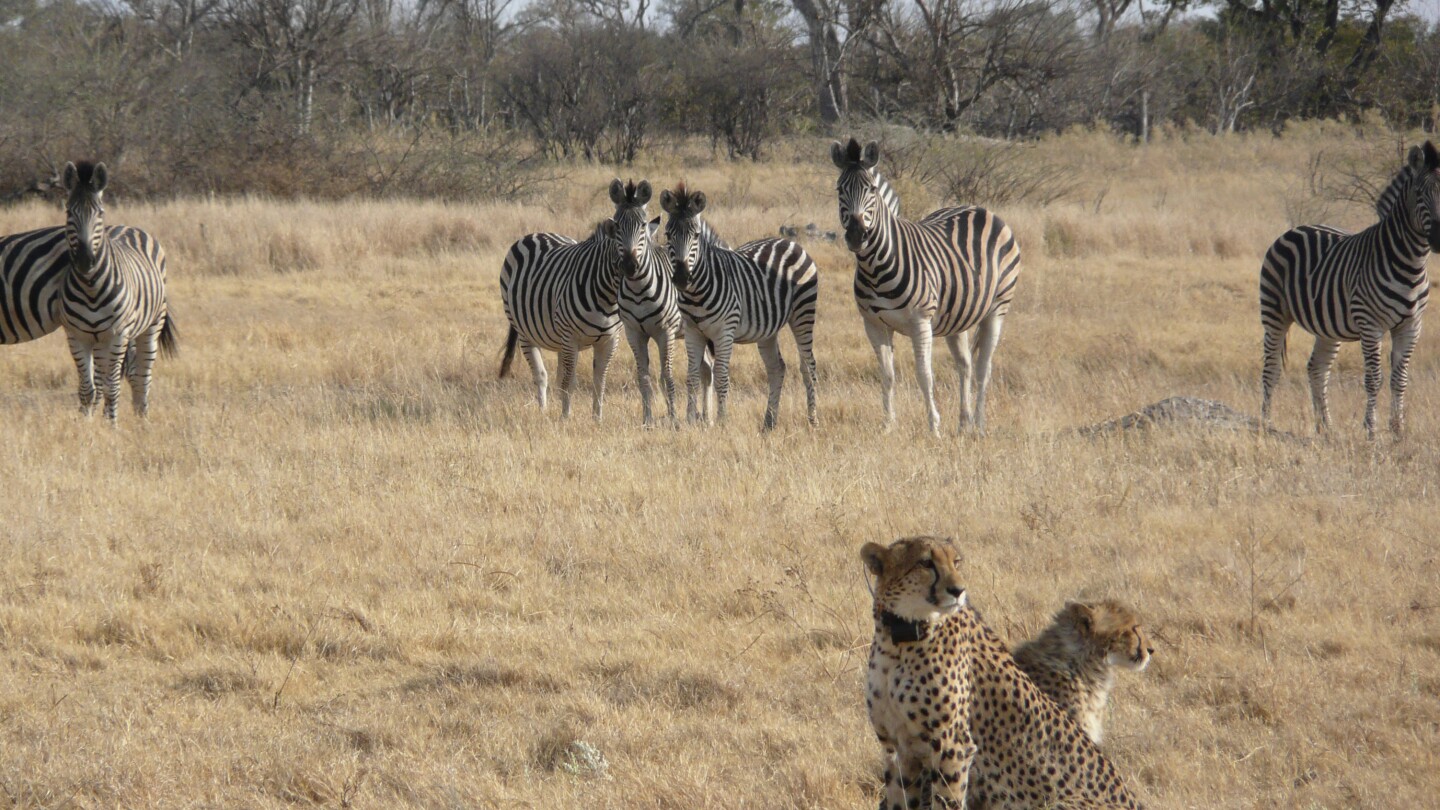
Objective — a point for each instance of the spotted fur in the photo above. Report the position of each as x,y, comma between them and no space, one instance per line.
1073,661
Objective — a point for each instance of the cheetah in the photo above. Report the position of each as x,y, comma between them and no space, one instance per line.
1074,660
961,724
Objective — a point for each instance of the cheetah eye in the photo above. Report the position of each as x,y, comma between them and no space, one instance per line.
930,564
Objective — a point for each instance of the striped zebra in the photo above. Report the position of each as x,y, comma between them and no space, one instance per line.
112,303
951,272
1343,287
648,304
32,270
563,296
743,295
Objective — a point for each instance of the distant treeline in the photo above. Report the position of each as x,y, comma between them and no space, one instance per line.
471,98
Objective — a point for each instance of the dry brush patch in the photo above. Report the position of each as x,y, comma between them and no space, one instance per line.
343,565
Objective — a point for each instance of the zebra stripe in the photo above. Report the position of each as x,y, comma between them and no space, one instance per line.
112,302
952,272
563,296
1343,287
739,296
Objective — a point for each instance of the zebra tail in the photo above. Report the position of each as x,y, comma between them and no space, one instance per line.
169,337
510,342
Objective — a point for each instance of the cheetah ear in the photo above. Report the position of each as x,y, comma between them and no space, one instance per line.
873,555
617,191
1083,615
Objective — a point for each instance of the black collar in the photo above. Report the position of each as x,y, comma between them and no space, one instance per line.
904,630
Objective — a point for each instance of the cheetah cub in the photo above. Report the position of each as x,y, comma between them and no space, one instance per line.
1074,659
959,721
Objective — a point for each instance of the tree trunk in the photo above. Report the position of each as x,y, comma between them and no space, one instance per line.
824,60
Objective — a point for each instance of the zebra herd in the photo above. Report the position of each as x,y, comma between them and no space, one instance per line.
951,274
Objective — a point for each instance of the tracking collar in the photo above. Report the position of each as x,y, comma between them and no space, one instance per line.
904,630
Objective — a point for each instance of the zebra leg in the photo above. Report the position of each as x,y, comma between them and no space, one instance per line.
640,347
1402,343
1274,365
805,345
985,342
882,340
604,350
1318,369
775,374
695,351
109,367
85,366
707,381
665,345
569,356
537,371
141,363
723,347
960,351
923,343
1370,348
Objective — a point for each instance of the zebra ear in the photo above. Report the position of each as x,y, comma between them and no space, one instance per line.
697,202
837,155
667,201
617,191
871,155
71,177
606,229
1432,157
642,192
100,178
1415,161
654,227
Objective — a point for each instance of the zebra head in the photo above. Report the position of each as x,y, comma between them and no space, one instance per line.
635,234
84,212
1424,165
683,231
859,189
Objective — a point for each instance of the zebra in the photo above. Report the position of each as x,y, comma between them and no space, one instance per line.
951,272
33,266
743,295
1343,287
649,308
563,296
113,303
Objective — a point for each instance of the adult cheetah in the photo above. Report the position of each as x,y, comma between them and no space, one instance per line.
960,722
1073,661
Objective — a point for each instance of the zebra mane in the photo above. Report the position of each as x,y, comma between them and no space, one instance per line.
853,151
1390,196
685,200
85,171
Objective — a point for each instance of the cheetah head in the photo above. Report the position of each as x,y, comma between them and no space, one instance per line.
915,577
1109,629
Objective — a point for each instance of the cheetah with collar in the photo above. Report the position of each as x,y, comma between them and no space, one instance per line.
961,724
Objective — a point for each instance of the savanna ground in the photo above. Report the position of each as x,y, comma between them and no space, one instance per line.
343,565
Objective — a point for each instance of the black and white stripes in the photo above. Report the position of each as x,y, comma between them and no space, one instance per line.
563,296
112,303
951,272
739,296
33,266
1342,287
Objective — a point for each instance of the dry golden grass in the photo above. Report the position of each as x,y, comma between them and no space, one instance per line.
343,565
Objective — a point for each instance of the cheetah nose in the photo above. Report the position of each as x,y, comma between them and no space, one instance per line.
955,591
1149,650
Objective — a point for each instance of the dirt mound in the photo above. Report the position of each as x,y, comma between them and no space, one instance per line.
1185,411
